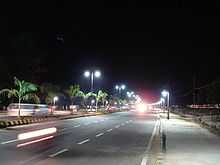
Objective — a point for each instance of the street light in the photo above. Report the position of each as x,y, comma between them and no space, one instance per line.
119,88
97,74
123,86
92,74
55,99
166,94
162,101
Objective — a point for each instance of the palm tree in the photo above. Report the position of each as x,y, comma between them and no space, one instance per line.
24,91
101,96
104,98
48,92
73,92
90,95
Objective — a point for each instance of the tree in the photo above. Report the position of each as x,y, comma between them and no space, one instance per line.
73,92
89,96
23,91
101,96
48,92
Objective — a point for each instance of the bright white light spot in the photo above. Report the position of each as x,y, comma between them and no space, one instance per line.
150,107
164,93
123,86
86,73
55,98
37,133
141,107
97,74
93,101
116,87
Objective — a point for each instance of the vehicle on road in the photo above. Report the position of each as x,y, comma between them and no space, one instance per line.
28,109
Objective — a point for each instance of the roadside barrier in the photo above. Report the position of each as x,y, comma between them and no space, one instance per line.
28,120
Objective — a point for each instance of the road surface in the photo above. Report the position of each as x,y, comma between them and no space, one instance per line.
115,139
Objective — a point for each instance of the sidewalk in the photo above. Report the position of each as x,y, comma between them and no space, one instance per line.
189,144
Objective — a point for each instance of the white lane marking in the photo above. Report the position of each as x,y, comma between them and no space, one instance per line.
100,134
84,141
117,126
102,120
96,121
10,141
127,121
77,126
122,124
109,130
58,153
145,158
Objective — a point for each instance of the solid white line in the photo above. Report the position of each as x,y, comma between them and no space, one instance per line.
59,152
100,134
145,159
77,126
10,141
84,141
109,130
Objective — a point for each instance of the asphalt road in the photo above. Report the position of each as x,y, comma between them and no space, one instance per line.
115,139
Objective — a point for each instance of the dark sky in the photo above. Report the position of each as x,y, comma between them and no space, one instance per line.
148,46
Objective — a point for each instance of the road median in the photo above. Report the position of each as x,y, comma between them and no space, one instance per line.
29,120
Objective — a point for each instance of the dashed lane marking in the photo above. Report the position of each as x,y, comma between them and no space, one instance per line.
58,153
10,141
100,134
109,130
84,141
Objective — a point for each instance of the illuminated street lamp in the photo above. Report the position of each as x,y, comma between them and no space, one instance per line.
92,74
123,87
166,94
162,101
119,88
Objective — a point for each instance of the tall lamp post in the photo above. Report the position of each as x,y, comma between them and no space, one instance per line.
119,88
55,99
162,100
166,94
92,75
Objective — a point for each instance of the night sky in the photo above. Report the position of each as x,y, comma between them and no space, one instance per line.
148,47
